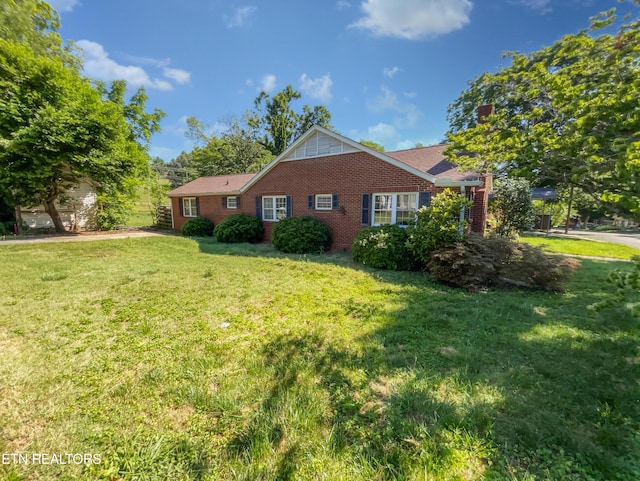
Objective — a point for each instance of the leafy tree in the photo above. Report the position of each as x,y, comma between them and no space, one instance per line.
56,129
246,155
513,207
159,166
180,170
372,144
565,115
235,151
278,125
35,23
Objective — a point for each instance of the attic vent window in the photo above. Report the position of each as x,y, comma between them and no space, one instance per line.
317,145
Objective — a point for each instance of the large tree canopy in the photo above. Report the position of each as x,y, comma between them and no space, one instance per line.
234,151
57,129
278,125
34,23
566,115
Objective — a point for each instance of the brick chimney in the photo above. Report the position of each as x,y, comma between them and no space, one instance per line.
481,200
484,111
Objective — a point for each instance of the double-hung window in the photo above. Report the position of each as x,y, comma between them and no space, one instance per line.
189,207
232,202
274,207
394,208
324,201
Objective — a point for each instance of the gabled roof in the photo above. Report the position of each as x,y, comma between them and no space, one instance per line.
433,168
218,184
428,163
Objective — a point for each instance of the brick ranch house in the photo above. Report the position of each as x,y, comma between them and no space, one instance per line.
330,177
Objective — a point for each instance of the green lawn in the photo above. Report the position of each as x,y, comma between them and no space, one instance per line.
140,219
583,247
176,360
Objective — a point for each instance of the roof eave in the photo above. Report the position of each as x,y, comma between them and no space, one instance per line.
196,194
457,183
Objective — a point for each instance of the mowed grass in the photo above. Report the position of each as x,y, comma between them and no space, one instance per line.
177,359
583,247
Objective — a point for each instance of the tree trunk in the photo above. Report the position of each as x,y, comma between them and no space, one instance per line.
18,220
566,223
50,209
585,222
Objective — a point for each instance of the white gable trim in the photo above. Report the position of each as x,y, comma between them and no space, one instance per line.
319,144
351,144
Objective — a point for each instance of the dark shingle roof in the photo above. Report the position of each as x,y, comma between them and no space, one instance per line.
431,160
219,184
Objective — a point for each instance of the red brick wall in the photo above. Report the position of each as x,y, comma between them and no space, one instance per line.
348,175
210,206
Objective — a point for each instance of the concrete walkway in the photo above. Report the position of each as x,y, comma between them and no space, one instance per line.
82,237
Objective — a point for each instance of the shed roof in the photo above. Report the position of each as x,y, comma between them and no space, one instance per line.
217,184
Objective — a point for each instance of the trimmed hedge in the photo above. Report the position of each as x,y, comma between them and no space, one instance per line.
198,227
383,247
477,262
239,228
301,235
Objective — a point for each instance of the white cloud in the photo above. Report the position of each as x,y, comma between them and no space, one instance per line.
64,5
413,19
408,114
268,83
410,95
319,88
390,72
382,133
179,75
239,17
342,4
99,65
388,100
541,6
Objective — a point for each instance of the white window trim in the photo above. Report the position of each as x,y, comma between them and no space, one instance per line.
193,209
330,196
394,205
235,202
274,209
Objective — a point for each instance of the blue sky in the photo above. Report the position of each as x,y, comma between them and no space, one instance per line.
386,69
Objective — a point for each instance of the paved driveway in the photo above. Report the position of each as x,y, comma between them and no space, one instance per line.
82,237
632,240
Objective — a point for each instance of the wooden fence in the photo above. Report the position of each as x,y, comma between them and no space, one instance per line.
163,217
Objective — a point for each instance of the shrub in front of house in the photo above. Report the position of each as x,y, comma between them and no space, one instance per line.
437,225
301,235
476,262
198,227
383,247
239,228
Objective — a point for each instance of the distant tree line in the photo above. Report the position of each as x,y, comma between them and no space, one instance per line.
247,144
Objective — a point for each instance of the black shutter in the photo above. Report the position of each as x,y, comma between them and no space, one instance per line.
181,206
334,201
259,207
198,206
224,203
238,201
289,206
366,208
424,198
310,198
